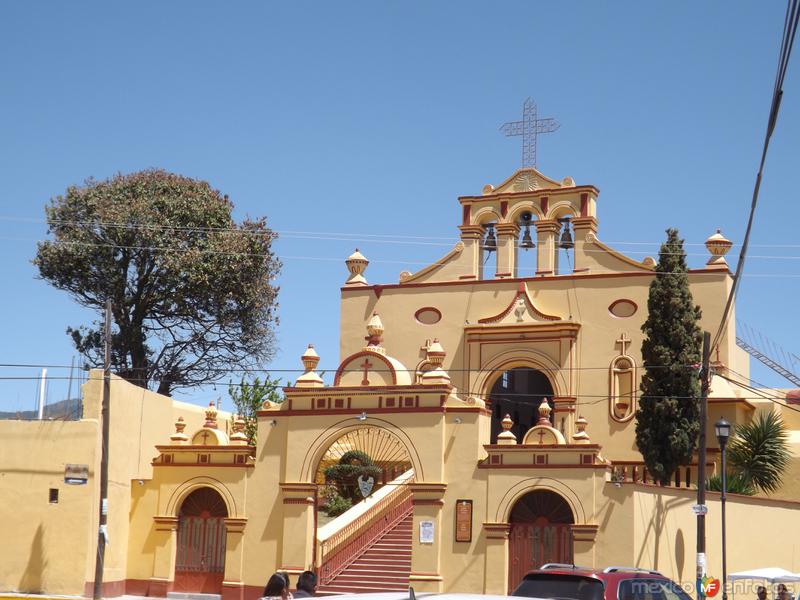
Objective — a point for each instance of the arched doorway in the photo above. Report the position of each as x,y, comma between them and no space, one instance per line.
200,557
375,447
518,392
539,533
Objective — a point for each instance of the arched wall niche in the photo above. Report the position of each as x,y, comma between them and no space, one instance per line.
622,389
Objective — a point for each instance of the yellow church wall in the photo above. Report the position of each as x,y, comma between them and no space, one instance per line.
140,419
462,563
45,545
586,377
760,532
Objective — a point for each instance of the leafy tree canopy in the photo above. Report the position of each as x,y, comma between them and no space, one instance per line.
248,398
191,290
667,421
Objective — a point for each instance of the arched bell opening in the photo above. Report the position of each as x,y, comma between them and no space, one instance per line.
488,266
540,531
200,555
526,261
564,262
518,392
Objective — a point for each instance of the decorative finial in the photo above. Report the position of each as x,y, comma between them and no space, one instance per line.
436,353
544,413
310,360
374,333
239,437
718,246
179,437
211,416
506,438
356,264
437,375
580,436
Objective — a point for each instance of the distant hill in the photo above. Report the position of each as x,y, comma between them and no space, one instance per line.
67,410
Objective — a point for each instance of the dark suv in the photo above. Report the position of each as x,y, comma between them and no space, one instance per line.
568,582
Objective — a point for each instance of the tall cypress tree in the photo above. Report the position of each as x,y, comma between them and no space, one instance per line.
667,422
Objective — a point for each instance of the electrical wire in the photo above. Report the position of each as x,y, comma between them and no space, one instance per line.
325,235
789,31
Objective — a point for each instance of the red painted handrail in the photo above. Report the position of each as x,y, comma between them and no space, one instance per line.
347,544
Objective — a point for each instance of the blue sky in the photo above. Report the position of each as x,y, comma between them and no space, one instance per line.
358,119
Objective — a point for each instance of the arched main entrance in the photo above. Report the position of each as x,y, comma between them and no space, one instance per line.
518,392
200,558
539,533
383,448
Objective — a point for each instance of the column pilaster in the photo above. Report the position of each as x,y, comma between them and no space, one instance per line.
583,537
546,232
582,227
507,235
232,584
472,235
428,500
166,542
299,534
496,557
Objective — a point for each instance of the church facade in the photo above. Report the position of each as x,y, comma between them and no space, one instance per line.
497,406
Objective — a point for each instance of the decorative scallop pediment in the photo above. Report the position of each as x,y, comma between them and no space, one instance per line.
521,310
527,180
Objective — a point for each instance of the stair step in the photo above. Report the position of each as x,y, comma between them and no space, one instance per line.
352,589
371,572
375,578
384,565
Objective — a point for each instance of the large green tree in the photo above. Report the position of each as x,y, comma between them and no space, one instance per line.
667,421
191,290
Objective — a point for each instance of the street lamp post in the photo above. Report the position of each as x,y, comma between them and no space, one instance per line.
723,431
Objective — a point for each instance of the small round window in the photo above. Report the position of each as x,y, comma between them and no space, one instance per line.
428,315
623,308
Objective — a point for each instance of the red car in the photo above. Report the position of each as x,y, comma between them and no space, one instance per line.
568,582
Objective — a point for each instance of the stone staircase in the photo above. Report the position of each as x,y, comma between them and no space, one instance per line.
383,566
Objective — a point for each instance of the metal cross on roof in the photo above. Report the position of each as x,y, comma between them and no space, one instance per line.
529,127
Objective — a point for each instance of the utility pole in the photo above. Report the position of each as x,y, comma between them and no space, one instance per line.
700,509
102,532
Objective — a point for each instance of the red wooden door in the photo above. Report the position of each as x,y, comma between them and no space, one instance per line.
200,560
540,532
533,544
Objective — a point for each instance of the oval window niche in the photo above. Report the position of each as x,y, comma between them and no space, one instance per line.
623,308
428,315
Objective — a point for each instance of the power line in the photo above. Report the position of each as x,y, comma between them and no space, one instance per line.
789,31
322,235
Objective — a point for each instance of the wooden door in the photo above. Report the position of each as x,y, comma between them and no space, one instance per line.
533,544
200,560
540,532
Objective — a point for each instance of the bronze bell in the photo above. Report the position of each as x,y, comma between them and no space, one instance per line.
527,241
490,243
566,237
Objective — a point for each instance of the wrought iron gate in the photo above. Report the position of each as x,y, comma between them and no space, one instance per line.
200,559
